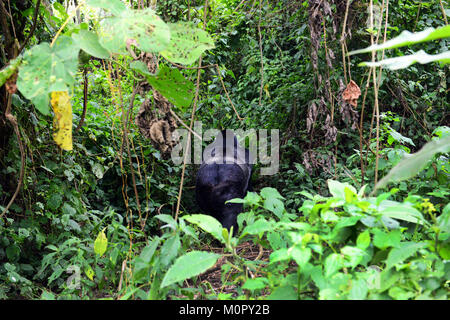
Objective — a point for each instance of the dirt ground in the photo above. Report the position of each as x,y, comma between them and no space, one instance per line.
211,280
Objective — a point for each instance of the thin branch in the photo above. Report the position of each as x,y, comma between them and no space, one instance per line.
220,78
361,127
342,40
185,125
125,137
443,12
13,121
85,88
33,27
6,31
375,91
66,22
235,9
12,20
194,108
226,92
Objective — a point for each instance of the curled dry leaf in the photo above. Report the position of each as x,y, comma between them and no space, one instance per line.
10,84
351,93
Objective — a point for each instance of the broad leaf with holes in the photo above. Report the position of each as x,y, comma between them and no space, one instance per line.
46,69
143,26
187,43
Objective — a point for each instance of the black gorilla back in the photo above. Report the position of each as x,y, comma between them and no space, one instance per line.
224,175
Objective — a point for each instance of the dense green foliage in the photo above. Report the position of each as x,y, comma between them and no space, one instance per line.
100,222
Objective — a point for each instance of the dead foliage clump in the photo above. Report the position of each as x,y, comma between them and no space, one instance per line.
156,123
349,99
154,118
325,19
313,160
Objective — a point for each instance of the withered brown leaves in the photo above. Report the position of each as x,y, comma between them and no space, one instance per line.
11,85
351,93
156,123
347,100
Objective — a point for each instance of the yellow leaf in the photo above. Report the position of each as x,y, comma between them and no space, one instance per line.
90,273
62,122
101,243
266,89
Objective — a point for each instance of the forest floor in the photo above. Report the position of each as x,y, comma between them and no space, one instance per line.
212,279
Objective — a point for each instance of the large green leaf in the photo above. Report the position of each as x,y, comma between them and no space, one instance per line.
403,252
187,43
144,26
276,206
114,6
337,189
189,265
384,240
400,211
269,192
171,84
407,38
46,69
169,249
358,290
405,61
141,67
142,263
332,264
399,137
284,292
414,163
258,227
444,219
88,41
301,255
208,224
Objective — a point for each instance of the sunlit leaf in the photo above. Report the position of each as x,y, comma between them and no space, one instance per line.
189,265
150,33
414,163
405,61
258,227
89,42
208,224
407,38
114,6
90,273
101,243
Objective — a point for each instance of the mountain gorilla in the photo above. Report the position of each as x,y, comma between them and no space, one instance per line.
224,174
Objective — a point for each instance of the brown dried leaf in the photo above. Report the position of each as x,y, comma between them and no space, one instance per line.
10,84
351,93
